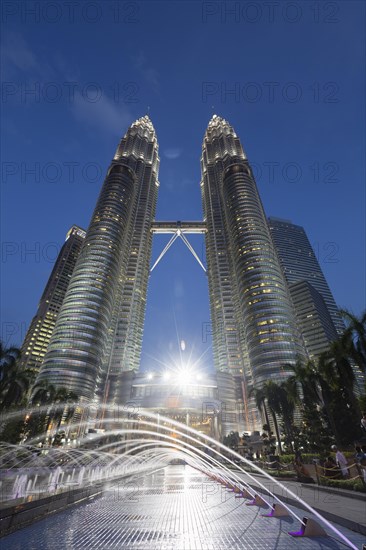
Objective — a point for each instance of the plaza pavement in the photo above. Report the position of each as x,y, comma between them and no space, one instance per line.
175,508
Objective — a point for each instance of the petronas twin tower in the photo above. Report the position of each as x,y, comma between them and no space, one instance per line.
99,330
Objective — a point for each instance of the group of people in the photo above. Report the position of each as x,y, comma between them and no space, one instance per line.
334,467
337,468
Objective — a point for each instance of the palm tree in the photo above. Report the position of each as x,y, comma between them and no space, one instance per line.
8,359
271,392
307,377
328,386
311,401
288,397
355,338
14,388
336,381
14,381
42,393
338,355
260,401
60,407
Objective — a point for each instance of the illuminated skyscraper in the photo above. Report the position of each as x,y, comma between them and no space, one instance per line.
254,325
300,263
315,323
99,328
318,315
138,150
40,330
98,334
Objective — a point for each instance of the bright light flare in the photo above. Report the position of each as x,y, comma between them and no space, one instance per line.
184,377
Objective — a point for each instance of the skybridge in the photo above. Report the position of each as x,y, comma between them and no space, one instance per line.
179,229
193,227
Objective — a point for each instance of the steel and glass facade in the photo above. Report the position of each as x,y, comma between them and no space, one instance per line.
227,349
40,330
254,324
83,354
315,323
299,263
139,151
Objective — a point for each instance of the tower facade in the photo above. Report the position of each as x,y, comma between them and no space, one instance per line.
89,342
300,263
254,326
40,330
138,150
315,323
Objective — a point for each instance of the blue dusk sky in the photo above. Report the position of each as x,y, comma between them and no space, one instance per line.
287,75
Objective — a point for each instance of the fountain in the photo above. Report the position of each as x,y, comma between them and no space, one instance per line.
29,471
20,487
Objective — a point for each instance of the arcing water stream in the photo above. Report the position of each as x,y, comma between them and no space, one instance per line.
140,446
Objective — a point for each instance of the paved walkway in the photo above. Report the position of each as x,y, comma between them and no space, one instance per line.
174,508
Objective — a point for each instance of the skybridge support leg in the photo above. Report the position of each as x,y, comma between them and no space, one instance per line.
174,237
191,249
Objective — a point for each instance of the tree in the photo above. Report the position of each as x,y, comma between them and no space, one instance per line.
14,385
307,377
314,433
338,355
288,397
260,401
355,338
267,437
14,381
8,358
310,404
60,408
271,392
336,378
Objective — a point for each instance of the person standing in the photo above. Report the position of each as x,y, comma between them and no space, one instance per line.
363,468
341,461
359,454
363,423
